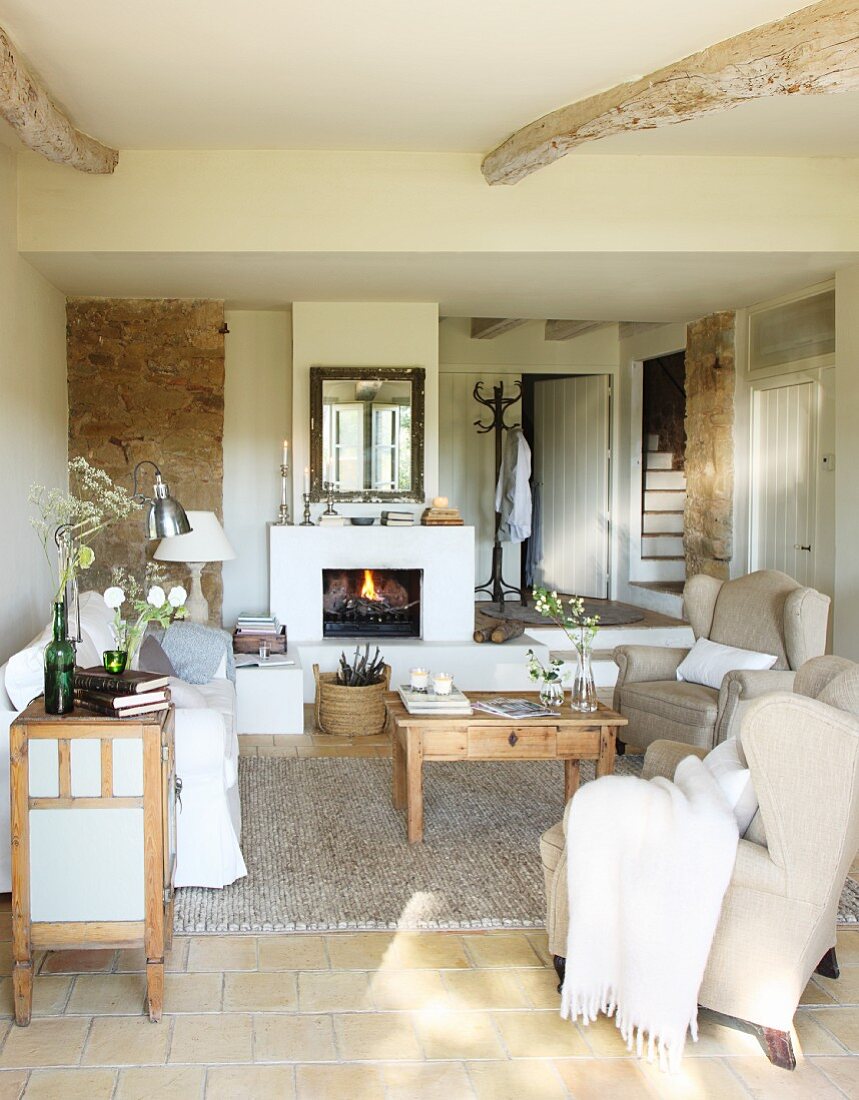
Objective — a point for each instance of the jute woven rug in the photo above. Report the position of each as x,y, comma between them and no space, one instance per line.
325,849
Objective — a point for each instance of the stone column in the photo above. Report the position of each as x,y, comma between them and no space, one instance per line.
710,375
146,381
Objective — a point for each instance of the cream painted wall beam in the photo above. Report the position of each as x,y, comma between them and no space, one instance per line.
40,123
566,330
813,51
487,328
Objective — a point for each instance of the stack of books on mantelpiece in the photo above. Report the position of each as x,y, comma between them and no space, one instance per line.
398,519
121,694
442,517
331,521
427,702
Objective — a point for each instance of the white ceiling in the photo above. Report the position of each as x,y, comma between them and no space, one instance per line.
604,285
440,75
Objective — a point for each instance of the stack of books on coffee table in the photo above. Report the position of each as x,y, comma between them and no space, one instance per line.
121,695
427,702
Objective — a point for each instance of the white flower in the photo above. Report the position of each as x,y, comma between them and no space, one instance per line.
114,597
177,596
156,596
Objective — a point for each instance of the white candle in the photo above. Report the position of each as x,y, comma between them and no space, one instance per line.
419,678
307,479
442,682
330,475
286,452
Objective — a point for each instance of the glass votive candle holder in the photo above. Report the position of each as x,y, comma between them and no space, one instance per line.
114,660
442,683
264,649
419,679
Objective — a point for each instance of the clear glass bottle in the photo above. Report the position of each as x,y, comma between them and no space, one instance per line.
59,666
584,694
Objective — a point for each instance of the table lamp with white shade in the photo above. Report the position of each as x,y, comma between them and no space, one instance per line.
205,542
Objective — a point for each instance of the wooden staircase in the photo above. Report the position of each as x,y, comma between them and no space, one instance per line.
662,564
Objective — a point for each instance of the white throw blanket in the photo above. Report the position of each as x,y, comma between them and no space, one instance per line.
649,863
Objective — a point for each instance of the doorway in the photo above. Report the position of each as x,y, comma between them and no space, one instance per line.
569,422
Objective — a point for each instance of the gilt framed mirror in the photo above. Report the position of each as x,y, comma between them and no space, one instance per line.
367,433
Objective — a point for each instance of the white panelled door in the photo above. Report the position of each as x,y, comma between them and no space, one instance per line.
571,464
784,482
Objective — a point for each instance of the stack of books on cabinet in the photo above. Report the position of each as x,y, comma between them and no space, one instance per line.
251,628
398,519
333,520
121,695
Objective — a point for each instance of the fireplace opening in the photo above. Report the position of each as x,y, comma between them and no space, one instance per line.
377,603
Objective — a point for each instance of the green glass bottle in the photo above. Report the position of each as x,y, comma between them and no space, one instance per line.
59,667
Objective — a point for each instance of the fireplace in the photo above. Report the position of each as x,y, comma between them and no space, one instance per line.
371,603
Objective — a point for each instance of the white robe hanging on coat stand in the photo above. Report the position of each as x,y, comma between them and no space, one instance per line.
513,491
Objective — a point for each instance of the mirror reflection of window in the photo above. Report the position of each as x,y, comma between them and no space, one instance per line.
366,435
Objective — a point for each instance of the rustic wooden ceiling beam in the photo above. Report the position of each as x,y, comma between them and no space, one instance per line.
813,51
40,123
566,330
487,328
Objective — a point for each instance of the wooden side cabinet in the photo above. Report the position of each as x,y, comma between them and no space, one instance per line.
93,840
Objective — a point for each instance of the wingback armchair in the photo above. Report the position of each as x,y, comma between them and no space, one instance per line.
778,918
766,611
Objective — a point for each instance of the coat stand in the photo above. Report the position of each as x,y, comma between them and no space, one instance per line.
496,587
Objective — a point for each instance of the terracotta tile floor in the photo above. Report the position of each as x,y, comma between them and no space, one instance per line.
353,1016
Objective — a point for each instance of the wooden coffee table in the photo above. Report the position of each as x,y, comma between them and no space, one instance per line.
569,737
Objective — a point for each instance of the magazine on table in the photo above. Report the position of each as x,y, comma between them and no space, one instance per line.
514,708
250,660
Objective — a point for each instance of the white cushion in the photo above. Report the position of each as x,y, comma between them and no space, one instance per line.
185,696
735,781
25,671
96,620
707,662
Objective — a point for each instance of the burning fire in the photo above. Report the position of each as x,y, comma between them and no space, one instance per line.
368,588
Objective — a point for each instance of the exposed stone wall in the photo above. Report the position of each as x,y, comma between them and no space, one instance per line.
146,381
710,376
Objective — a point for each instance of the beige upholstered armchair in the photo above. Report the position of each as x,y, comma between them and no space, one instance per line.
765,611
778,918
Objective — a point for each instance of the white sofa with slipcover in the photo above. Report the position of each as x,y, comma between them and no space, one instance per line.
208,825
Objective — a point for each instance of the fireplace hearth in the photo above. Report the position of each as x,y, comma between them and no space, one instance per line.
371,603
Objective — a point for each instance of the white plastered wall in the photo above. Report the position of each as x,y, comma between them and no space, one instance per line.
257,417
846,602
33,420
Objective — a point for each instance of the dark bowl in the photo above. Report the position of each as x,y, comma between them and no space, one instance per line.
362,521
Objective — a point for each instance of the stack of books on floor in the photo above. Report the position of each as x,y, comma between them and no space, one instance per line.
398,519
331,521
442,517
248,623
427,702
123,694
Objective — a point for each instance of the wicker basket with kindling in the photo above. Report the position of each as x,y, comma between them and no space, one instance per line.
351,701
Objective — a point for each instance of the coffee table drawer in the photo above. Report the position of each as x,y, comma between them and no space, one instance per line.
579,741
512,742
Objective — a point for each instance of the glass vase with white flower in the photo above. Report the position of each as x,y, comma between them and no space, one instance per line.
551,679
581,629
148,603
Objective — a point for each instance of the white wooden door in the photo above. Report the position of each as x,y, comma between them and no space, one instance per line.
571,464
784,481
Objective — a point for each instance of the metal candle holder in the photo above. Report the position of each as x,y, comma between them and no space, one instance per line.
328,486
307,521
283,519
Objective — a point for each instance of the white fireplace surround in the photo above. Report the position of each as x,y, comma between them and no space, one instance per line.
297,556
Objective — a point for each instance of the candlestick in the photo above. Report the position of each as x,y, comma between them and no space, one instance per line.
283,519
307,521
329,489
